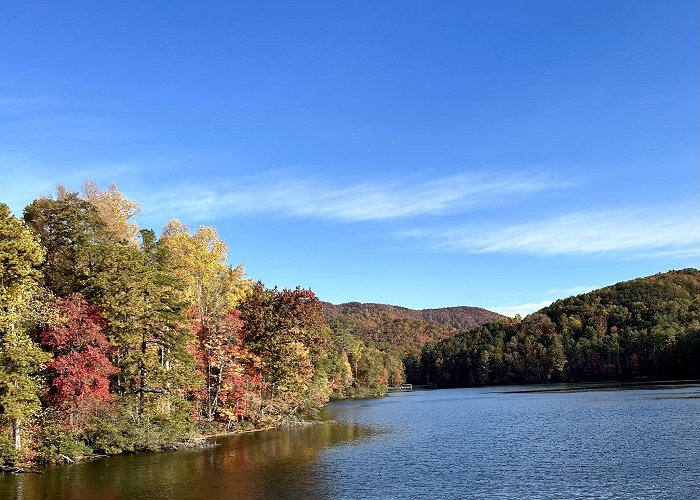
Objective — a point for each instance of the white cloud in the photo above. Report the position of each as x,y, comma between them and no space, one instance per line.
654,230
320,199
573,290
522,309
281,193
552,294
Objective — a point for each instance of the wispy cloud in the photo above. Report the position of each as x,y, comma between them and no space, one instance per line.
521,309
371,200
650,231
283,193
572,290
552,295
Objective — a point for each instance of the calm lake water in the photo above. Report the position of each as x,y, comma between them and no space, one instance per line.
458,443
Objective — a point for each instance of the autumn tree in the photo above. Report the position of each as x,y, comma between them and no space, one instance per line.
199,259
212,289
225,366
21,359
284,329
372,373
115,211
81,366
371,368
141,299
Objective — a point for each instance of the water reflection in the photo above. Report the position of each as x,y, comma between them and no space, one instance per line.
461,443
272,464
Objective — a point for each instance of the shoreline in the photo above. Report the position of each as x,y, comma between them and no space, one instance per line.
302,423
200,442
597,385
204,441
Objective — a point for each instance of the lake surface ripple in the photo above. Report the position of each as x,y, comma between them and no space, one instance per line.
457,443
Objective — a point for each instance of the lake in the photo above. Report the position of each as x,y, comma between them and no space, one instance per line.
611,442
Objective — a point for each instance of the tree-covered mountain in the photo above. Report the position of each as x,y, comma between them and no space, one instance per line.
459,318
403,332
647,327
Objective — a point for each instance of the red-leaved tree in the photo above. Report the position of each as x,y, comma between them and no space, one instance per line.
225,365
81,363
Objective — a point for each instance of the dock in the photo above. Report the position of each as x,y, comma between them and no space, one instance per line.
402,387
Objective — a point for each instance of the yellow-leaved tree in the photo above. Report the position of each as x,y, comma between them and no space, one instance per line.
21,359
212,289
115,210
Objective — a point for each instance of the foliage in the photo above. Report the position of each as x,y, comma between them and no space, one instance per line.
115,432
362,370
199,260
21,359
153,340
70,230
401,333
456,318
226,367
141,299
286,331
648,327
150,338
212,289
56,443
20,255
8,453
114,210
81,364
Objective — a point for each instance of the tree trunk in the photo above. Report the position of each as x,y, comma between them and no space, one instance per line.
16,434
142,375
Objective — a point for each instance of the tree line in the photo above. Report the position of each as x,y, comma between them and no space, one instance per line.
644,328
114,338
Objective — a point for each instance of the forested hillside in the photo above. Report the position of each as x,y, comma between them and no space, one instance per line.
402,332
459,318
113,338
648,327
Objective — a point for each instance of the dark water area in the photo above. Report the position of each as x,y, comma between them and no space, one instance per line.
596,442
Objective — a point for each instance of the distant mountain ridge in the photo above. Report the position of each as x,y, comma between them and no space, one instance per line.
403,332
458,318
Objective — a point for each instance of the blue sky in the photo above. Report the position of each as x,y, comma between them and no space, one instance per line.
492,153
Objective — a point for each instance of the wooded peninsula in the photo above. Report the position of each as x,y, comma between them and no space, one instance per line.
114,339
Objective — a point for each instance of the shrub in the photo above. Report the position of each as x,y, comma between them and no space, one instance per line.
8,455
